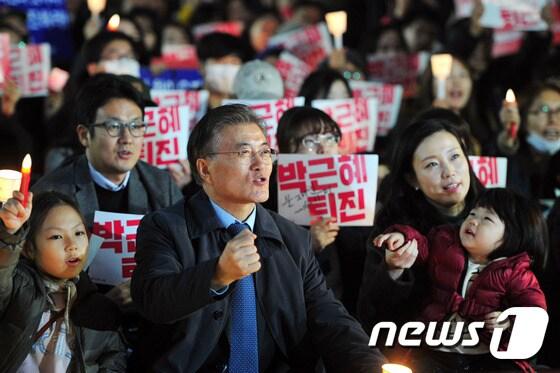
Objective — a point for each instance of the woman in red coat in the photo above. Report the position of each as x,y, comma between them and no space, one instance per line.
477,271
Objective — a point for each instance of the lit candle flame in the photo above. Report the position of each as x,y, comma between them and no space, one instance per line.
96,6
26,164
510,97
336,22
113,24
441,65
395,368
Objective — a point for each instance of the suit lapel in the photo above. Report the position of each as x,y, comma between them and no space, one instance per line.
85,190
137,197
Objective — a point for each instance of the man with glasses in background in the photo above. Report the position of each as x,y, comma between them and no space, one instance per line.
110,176
230,286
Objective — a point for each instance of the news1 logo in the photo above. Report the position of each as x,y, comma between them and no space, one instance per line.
526,337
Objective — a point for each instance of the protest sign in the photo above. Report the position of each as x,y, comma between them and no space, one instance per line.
4,59
197,101
357,119
343,187
177,56
165,141
270,112
513,15
30,67
506,43
403,69
389,99
47,21
114,261
293,72
491,171
311,44
555,27
233,28
172,79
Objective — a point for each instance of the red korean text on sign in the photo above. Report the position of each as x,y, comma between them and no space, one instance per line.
119,236
346,206
322,174
352,168
292,176
487,170
352,204
161,152
35,72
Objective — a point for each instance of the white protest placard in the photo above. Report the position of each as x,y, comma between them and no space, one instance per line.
311,44
197,101
234,28
513,15
491,171
4,59
30,67
114,261
401,69
389,97
506,43
357,119
270,112
165,141
463,8
293,72
343,187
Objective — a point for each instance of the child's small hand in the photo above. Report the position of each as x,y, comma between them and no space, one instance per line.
491,323
403,257
13,214
394,240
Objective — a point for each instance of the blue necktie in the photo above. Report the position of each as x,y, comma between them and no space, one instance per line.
243,351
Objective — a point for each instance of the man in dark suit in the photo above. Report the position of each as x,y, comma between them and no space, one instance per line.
110,175
231,286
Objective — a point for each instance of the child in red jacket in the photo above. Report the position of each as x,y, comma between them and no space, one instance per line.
477,271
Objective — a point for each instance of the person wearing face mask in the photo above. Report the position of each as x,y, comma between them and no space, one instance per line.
106,52
114,53
220,56
530,149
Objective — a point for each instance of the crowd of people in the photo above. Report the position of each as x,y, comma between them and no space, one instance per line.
223,282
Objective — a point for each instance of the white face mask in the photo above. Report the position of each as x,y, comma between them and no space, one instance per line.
543,145
122,66
220,77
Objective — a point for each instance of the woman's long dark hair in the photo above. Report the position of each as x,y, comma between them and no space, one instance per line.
399,199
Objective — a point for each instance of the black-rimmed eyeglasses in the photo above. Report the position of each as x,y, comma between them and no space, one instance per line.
246,155
115,127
